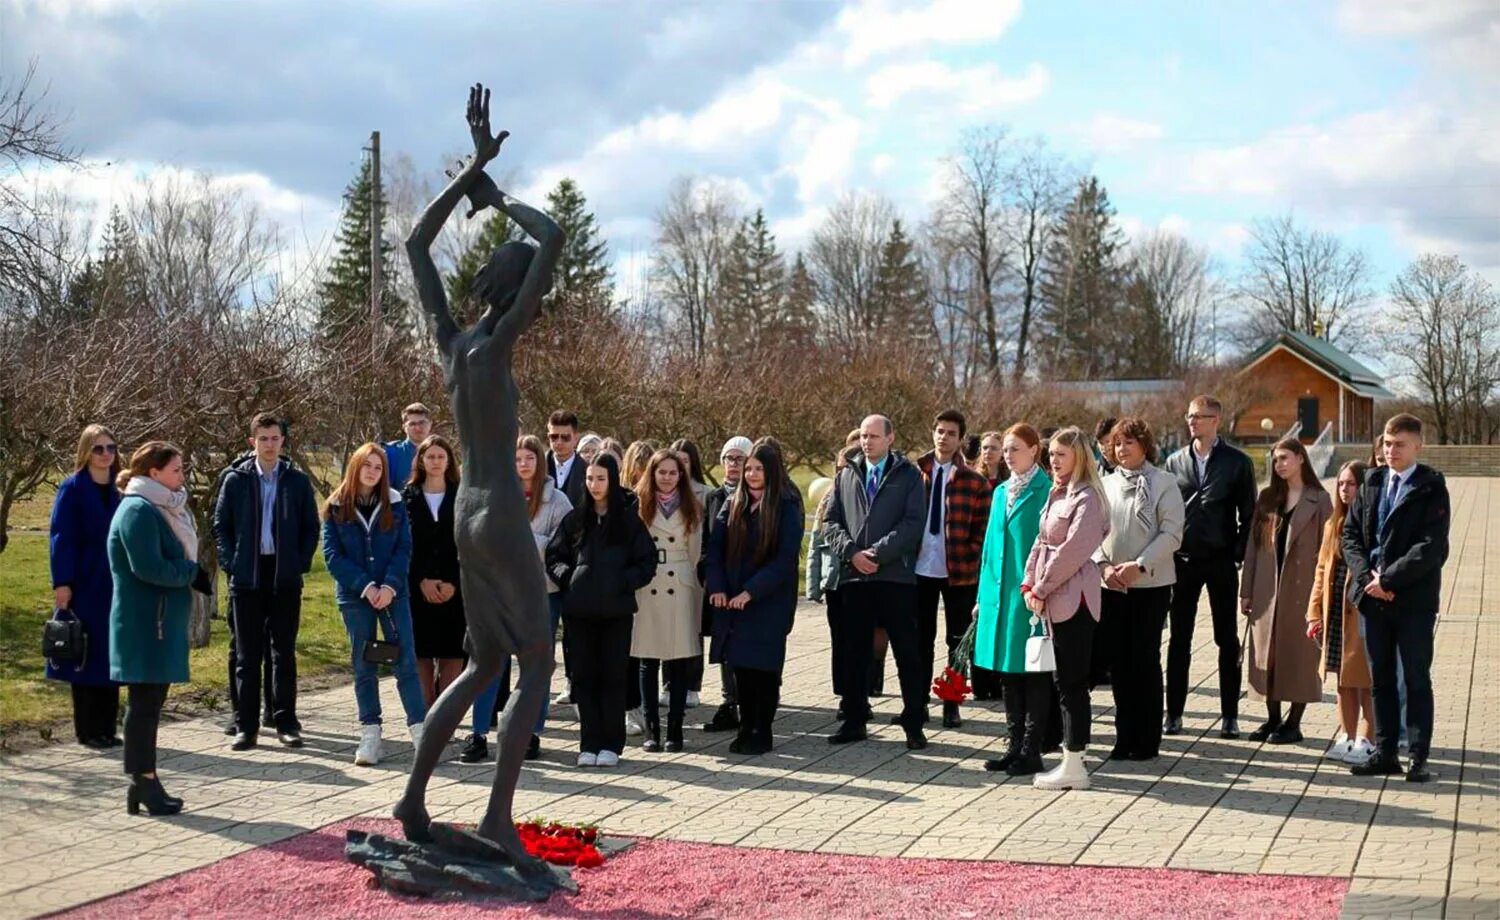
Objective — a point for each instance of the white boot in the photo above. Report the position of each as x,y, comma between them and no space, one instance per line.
416,735
1070,774
368,754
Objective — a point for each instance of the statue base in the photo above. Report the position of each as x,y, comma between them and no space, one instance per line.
458,864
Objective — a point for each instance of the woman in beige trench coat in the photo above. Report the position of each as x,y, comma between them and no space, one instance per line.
1281,561
669,610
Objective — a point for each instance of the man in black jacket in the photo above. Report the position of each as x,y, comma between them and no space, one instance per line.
1217,482
874,525
563,463
266,528
1395,543
732,457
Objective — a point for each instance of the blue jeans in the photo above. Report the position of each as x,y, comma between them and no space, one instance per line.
359,621
484,706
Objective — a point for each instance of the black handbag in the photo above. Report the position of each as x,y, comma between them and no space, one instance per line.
64,640
377,652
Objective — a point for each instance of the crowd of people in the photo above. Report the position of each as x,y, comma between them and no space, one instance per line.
1058,558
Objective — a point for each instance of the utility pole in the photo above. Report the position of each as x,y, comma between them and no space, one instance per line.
376,282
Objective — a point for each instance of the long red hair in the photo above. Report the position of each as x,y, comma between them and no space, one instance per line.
645,490
340,507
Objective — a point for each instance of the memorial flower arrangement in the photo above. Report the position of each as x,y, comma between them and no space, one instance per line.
953,685
561,844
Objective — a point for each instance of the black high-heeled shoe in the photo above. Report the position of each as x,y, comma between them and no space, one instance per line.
148,792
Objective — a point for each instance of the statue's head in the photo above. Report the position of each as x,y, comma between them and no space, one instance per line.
500,279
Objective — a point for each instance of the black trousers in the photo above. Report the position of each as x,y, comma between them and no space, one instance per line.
832,601
601,680
1388,635
892,606
96,711
1029,700
142,719
233,660
1133,621
266,622
958,613
759,695
633,694
1073,646
1222,581
675,672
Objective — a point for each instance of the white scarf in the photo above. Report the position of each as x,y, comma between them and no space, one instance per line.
173,507
1017,484
1138,494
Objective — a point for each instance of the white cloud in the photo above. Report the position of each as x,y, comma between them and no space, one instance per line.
881,27
1111,133
1414,17
970,90
882,164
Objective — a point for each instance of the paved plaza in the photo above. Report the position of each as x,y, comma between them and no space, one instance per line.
1207,804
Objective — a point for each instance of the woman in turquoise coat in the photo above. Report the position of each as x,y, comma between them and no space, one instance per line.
1004,623
153,551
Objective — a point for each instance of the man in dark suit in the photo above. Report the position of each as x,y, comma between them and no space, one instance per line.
1217,482
1395,543
563,463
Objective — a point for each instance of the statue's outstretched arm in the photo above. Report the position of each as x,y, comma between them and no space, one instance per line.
549,238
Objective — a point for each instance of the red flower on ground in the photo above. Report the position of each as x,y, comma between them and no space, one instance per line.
561,844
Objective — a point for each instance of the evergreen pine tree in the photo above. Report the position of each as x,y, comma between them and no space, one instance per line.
1082,291
581,281
899,298
498,230
114,282
344,294
798,322
754,278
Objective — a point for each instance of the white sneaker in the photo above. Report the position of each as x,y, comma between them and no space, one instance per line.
1359,751
635,723
692,699
1070,774
665,699
368,753
1340,749
416,735
564,698
608,759
585,759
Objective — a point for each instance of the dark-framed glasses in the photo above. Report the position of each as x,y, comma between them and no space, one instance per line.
102,449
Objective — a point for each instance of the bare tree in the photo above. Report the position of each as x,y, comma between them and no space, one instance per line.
844,259
1302,280
1037,191
972,217
694,232
1446,332
1171,290
30,137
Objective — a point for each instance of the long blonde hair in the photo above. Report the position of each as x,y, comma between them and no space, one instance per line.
86,447
1085,470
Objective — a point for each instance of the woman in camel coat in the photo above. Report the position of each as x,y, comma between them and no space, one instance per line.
1281,562
1333,621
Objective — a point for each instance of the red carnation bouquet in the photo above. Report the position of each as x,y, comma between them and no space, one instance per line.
561,844
953,685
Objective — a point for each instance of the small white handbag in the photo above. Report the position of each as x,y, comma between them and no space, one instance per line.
1040,656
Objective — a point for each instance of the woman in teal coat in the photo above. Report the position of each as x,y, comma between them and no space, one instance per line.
153,548
1004,623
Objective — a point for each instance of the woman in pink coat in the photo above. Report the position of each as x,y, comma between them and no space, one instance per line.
1062,591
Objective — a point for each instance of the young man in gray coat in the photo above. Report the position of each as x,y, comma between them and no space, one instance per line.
874,527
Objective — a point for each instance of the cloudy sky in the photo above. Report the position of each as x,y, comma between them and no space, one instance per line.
1378,120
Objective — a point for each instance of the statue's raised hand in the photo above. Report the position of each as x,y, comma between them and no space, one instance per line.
486,147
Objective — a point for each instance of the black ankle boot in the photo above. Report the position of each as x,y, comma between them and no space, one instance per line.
1012,751
674,734
1027,763
148,792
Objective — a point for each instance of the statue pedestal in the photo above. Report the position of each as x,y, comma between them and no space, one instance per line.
457,864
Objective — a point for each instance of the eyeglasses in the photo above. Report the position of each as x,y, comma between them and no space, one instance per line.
1197,416
733,458
102,449
564,437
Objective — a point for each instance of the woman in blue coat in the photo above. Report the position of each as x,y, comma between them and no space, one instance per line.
153,552
752,581
85,503
1004,623
367,545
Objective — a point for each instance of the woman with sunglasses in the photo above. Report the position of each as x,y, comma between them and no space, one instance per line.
81,583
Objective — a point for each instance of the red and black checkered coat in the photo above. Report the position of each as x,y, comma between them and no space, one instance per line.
967,497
